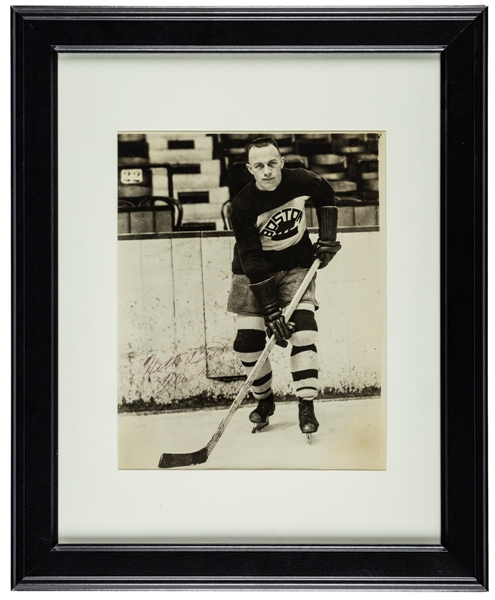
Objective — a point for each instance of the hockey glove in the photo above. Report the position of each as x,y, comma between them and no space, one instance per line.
327,245
325,251
266,294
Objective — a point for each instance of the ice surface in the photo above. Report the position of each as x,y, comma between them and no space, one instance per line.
351,436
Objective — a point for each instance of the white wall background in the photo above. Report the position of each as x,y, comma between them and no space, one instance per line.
172,301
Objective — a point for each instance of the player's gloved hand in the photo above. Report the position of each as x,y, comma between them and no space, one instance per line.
277,325
266,294
327,245
325,251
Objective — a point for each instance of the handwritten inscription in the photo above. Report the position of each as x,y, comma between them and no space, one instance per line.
183,367
196,356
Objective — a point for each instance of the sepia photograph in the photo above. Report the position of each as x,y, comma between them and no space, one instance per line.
251,300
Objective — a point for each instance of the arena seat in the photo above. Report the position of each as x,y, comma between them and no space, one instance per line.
367,176
150,215
343,188
174,204
226,208
354,212
203,172
312,147
295,161
332,166
144,219
372,141
349,143
132,149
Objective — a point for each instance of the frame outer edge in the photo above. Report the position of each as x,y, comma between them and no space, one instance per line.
20,578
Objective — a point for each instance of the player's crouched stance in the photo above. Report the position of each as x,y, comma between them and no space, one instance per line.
269,297
272,255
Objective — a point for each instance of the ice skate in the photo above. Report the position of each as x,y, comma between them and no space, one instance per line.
260,415
307,419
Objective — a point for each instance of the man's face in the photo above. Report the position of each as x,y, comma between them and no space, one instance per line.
265,164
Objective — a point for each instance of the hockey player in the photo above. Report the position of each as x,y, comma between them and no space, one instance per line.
272,254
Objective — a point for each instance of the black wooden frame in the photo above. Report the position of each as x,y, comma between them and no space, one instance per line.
460,35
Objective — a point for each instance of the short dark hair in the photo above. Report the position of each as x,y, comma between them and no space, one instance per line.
261,142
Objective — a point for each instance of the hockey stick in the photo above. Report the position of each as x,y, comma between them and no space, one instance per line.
195,458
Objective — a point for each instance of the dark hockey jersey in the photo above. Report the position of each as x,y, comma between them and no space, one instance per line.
270,227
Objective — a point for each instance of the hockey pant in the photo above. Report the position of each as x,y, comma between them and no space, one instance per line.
250,342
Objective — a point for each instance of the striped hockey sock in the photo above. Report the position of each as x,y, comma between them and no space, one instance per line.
304,356
249,344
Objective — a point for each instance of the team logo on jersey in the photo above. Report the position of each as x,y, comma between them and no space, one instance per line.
283,224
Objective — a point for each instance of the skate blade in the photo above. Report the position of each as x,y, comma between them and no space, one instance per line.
310,438
260,426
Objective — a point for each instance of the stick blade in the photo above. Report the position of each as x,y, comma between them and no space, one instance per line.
169,461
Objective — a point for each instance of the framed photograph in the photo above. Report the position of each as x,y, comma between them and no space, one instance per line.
179,220
236,222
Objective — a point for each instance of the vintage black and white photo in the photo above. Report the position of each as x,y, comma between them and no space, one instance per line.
251,304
